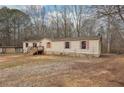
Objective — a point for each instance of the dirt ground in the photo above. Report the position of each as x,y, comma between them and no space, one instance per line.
61,71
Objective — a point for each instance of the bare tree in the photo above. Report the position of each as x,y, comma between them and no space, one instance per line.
37,14
111,13
12,22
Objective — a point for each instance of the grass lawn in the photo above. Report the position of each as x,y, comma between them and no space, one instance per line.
43,70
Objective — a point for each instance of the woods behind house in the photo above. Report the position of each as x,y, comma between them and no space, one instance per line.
36,22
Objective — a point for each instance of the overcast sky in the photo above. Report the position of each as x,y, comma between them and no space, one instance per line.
13,6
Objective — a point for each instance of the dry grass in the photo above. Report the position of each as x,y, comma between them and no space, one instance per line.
23,70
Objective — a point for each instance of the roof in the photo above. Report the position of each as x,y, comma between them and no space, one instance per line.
76,39
32,41
68,39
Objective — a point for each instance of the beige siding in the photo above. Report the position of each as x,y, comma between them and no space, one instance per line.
10,50
30,44
0,50
75,47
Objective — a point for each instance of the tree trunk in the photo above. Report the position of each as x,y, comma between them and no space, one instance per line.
108,37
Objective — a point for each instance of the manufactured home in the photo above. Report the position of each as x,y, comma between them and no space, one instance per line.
10,49
66,46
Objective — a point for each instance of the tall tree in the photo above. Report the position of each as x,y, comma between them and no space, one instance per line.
12,22
37,14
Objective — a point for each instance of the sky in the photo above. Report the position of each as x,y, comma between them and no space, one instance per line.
21,7
13,6
47,7
51,12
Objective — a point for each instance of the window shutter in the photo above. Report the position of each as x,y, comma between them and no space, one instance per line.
87,44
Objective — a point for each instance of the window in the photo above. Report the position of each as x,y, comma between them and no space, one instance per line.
26,44
34,44
48,45
67,44
40,44
83,45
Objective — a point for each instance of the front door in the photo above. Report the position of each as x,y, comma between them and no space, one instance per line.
41,50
